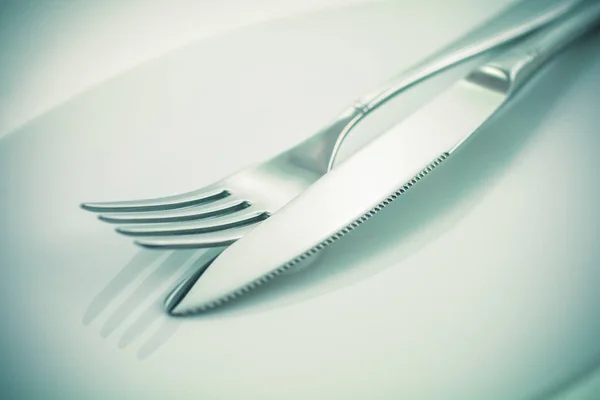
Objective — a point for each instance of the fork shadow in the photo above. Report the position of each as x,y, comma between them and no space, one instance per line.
151,289
434,206
403,228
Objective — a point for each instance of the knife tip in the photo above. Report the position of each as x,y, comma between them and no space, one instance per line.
178,308
174,304
181,301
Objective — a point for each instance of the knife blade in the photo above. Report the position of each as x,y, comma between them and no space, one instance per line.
376,175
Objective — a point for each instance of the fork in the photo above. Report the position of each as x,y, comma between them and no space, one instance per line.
222,212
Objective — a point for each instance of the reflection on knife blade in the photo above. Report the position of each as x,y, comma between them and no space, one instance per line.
377,174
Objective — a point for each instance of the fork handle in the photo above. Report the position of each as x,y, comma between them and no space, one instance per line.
523,62
319,151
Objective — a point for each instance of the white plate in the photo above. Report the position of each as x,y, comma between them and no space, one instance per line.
482,283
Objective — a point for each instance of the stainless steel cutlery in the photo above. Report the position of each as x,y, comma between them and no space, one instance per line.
222,212
291,204
379,173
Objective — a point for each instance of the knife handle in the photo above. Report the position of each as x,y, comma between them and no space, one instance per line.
517,66
319,151
490,35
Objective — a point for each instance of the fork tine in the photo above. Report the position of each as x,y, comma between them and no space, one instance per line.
197,241
160,203
211,209
193,227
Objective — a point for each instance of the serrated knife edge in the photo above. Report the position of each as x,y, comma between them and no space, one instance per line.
323,244
329,208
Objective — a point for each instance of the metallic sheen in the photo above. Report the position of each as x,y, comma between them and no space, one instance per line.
379,173
265,188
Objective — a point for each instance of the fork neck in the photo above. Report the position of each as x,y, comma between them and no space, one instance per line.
317,153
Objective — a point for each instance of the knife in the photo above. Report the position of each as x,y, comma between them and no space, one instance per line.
377,174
